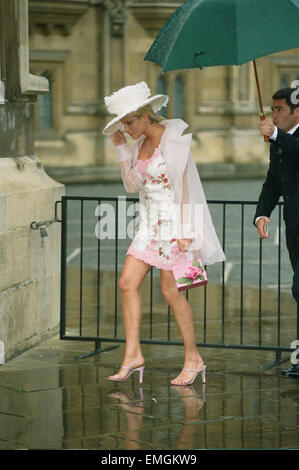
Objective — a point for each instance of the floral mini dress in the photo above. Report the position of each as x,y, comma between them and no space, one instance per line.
155,242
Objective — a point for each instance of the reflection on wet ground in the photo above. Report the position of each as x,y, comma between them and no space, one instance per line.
50,400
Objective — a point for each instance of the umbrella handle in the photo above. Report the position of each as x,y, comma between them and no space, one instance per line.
262,114
262,117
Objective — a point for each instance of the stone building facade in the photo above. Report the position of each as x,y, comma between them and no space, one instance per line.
89,48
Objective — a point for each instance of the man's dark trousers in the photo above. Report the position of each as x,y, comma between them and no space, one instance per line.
292,240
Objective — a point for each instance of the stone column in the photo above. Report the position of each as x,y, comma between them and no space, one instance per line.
29,265
114,61
114,44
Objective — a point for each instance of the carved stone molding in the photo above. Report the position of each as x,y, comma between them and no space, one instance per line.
153,14
47,56
285,61
231,109
29,84
83,108
117,13
45,16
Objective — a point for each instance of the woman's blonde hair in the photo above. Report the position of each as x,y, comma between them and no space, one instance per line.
154,118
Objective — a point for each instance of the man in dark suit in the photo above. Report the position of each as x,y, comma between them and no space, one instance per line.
283,180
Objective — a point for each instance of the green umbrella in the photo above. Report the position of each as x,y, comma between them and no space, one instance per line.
203,33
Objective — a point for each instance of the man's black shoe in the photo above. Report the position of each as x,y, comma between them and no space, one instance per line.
292,371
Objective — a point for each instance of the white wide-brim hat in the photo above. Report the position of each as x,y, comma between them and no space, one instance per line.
128,100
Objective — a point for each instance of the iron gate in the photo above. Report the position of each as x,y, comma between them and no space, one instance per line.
246,305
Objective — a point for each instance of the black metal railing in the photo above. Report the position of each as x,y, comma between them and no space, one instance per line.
246,305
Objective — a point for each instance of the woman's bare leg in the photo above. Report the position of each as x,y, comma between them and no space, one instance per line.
134,272
184,319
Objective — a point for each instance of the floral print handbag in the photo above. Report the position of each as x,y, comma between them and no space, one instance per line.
189,274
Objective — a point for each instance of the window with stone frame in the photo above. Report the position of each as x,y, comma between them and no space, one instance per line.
174,87
162,89
45,108
178,98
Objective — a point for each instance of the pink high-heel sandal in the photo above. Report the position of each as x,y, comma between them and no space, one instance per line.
139,369
196,372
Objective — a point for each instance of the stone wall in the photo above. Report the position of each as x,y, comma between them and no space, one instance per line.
29,265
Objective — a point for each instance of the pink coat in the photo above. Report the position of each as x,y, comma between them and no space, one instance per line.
194,218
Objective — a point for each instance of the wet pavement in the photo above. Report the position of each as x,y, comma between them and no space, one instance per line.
50,399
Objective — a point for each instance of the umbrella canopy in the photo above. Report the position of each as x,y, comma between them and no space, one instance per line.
204,33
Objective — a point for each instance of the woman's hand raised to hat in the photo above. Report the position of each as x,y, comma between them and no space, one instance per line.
118,138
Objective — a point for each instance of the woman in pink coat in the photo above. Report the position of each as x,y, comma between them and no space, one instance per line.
175,222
